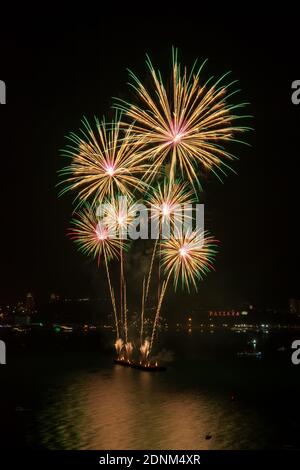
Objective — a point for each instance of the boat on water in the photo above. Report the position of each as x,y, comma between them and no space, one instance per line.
137,365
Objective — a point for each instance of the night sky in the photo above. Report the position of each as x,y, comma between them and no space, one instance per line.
55,75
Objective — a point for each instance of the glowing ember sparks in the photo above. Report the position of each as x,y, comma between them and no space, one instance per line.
144,349
119,346
129,349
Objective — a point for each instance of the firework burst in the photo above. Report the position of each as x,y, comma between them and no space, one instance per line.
189,257
186,124
103,162
92,237
118,214
167,199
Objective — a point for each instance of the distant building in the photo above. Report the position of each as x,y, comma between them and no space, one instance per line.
29,303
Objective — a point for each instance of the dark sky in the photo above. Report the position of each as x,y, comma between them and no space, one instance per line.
57,73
